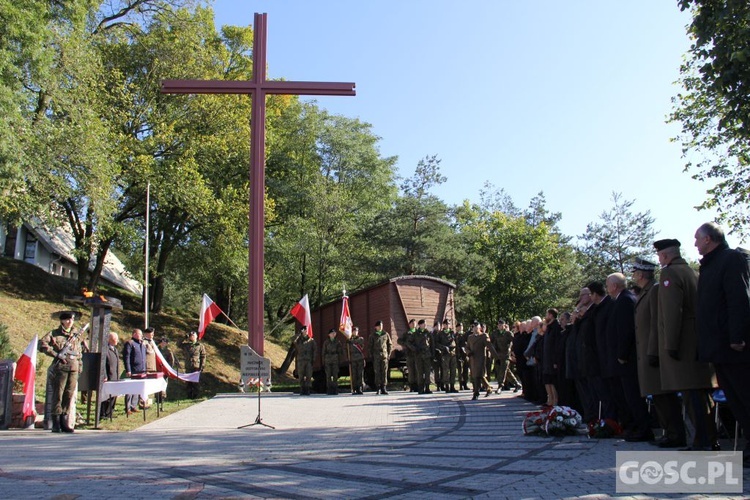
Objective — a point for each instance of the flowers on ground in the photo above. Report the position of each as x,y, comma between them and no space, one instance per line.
554,421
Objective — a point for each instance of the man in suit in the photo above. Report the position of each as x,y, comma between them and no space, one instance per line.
134,359
666,403
723,319
601,378
112,373
621,338
679,367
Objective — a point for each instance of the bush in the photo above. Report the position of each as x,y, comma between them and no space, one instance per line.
6,351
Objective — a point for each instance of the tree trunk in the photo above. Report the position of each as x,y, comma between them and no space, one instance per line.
101,254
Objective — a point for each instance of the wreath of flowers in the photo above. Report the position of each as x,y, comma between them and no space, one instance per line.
554,421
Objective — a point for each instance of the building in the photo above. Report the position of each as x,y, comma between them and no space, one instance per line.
52,250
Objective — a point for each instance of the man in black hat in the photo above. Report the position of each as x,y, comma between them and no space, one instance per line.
679,367
65,346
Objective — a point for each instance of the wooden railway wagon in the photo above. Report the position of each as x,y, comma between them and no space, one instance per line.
395,302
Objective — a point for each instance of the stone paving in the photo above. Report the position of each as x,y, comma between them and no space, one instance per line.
397,446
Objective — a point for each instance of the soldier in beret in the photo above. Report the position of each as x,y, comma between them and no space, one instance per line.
332,355
305,347
379,348
64,345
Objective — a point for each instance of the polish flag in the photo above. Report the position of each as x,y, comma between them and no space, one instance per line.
164,367
26,373
209,310
345,325
301,311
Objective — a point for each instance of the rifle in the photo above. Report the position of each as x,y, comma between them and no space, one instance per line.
63,354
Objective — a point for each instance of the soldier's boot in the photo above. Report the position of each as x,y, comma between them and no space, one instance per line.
64,424
453,389
413,388
55,423
383,390
427,389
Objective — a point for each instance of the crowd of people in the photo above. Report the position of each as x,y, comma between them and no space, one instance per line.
139,359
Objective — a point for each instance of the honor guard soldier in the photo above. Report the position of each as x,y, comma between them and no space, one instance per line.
446,344
195,360
407,343
332,354
422,347
357,358
379,347
65,346
462,359
305,347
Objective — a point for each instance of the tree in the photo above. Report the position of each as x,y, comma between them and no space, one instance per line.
612,244
714,108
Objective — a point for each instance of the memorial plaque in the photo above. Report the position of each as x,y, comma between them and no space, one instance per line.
254,366
6,393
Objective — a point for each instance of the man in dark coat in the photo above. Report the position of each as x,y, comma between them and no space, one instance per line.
111,373
549,358
134,359
723,319
621,338
666,403
680,369
601,378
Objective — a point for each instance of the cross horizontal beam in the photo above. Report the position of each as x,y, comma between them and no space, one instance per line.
250,87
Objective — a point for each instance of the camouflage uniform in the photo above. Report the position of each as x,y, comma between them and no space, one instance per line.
406,341
195,360
66,348
332,354
446,344
357,357
305,347
462,360
422,347
379,347
501,340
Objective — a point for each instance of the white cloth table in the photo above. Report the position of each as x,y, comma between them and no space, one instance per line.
142,386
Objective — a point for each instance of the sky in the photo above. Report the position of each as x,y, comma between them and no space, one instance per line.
569,98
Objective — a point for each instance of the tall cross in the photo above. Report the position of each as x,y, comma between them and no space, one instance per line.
258,88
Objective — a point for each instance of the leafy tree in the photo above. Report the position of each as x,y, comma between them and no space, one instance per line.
714,108
612,244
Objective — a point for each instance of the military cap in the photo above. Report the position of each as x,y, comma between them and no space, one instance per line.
164,340
666,243
380,323
643,265
67,315
332,331
475,322
421,322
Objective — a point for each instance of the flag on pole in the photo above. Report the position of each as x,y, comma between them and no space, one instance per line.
209,310
301,311
26,373
164,367
345,325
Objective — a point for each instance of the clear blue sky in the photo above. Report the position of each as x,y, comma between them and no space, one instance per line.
565,97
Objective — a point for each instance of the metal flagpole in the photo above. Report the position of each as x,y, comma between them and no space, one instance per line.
145,279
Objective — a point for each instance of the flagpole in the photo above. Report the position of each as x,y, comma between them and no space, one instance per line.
145,284
348,343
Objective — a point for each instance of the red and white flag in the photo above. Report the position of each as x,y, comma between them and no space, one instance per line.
209,310
26,373
164,367
345,325
301,311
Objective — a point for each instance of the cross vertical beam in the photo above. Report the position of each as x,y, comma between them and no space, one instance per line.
257,88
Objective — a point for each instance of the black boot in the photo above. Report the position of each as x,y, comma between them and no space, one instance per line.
64,424
382,390
55,423
427,389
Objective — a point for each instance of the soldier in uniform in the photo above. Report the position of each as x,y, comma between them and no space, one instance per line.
332,355
446,344
65,346
476,345
195,360
437,356
406,341
150,344
357,358
422,346
305,347
379,347
462,359
501,340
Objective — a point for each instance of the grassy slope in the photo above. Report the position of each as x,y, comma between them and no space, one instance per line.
30,297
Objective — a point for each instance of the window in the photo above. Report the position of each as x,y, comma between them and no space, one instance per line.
29,254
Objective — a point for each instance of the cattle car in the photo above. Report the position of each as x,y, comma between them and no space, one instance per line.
395,302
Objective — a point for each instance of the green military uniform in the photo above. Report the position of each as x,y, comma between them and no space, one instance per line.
305,347
446,345
422,347
501,340
379,348
406,341
332,355
195,360
357,358
65,346
462,360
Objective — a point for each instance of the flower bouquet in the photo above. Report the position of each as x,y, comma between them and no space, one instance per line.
604,428
554,421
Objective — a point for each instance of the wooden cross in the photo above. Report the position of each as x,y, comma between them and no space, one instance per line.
258,88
